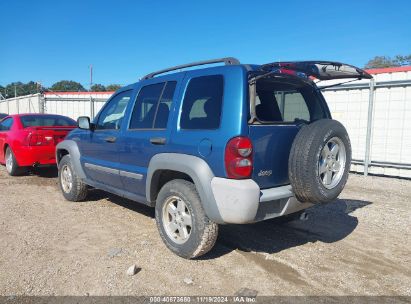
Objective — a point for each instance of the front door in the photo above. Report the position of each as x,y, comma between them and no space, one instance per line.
5,126
100,147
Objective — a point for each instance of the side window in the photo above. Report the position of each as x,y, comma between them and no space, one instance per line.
202,103
292,106
164,106
113,113
6,124
152,106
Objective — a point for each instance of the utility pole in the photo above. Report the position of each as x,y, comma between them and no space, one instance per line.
15,91
91,76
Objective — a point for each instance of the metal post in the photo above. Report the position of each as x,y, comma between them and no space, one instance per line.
91,107
282,109
369,126
91,76
42,104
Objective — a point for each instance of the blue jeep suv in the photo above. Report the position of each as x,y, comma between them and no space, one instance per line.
229,143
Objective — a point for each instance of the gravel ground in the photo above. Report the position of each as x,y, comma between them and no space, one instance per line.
357,245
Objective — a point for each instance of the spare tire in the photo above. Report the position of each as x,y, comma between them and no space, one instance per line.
319,161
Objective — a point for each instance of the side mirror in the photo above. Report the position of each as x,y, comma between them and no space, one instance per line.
83,122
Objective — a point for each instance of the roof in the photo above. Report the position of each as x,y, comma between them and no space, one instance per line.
389,70
34,114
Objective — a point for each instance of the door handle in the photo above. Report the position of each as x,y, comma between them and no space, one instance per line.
158,140
110,139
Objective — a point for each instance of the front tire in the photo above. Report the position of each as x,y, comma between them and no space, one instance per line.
71,185
181,221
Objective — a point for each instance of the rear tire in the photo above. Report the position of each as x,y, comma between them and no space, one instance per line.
319,161
181,221
12,167
71,185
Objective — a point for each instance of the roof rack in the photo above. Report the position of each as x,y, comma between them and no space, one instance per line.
226,60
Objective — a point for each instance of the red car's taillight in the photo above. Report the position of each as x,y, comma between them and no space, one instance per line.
238,158
39,140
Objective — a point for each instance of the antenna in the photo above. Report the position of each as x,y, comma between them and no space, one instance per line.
91,76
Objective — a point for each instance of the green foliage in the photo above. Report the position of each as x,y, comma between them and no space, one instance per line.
97,88
386,62
19,89
403,60
113,87
380,62
67,86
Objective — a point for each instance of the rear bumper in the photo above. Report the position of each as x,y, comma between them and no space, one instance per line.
35,155
242,201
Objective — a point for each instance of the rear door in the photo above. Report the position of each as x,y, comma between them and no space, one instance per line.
100,147
147,131
322,70
282,108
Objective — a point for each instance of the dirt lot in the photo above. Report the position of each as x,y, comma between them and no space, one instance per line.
358,245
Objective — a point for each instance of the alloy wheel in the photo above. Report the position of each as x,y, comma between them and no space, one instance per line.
66,179
332,162
177,220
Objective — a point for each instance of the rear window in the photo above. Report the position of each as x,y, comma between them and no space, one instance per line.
202,103
46,121
279,102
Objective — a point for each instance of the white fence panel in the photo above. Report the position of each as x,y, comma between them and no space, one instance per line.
350,108
22,104
97,106
391,138
69,107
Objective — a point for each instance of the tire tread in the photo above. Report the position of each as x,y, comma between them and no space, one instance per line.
206,238
303,161
79,190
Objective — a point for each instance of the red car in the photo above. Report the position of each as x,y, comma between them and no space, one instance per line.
29,140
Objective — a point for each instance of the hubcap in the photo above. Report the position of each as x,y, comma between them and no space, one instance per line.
9,161
177,219
66,179
331,165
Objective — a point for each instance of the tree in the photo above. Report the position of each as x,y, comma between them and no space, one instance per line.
386,62
403,60
98,88
20,89
113,87
380,62
67,86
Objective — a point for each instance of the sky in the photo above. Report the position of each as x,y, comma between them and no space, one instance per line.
50,40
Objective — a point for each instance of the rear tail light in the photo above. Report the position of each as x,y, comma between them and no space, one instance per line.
39,140
238,158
